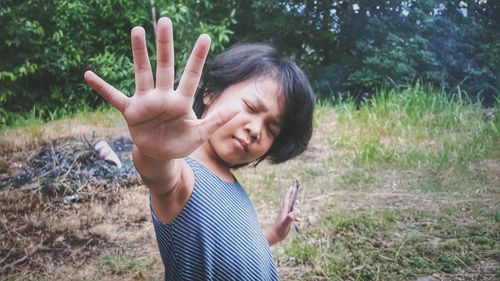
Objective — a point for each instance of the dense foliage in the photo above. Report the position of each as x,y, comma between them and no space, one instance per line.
46,46
350,46
358,46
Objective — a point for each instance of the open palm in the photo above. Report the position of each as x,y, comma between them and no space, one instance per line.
161,120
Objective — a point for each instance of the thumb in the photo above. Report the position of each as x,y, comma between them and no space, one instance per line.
218,118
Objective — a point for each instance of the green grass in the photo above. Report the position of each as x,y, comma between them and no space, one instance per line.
419,126
415,191
30,131
37,117
123,264
392,245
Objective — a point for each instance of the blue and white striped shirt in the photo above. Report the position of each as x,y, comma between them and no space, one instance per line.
216,236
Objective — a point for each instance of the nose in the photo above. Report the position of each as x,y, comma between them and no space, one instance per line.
254,129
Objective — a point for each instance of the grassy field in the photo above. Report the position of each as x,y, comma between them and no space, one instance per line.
405,188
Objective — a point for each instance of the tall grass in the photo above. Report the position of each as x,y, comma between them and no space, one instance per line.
410,189
420,125
38,116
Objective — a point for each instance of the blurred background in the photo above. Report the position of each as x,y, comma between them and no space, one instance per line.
349,49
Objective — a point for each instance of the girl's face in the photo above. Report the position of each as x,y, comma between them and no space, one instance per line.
250,134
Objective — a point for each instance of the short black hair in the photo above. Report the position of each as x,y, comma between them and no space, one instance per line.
251,61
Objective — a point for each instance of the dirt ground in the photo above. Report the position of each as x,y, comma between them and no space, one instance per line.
42,237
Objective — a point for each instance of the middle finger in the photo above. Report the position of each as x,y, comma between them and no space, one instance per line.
165,55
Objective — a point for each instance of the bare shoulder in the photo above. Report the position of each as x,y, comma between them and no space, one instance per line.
167,206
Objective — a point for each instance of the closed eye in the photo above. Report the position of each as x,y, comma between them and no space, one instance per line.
272,131
250,107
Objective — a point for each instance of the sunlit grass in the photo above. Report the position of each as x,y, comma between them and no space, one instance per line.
405,186
32,133
37,117
420,126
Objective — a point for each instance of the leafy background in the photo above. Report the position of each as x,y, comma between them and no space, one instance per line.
349,49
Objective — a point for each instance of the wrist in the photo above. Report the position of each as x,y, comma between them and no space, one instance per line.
155,172
272,236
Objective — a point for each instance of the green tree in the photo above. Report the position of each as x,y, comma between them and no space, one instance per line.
47,45
190,18
393,43
357,46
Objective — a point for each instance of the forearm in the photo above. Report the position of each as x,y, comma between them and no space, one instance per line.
159,175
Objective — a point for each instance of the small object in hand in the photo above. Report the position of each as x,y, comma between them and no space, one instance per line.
294,195
292,203
105,152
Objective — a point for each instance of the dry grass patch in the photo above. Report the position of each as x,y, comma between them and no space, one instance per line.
39,233
105,124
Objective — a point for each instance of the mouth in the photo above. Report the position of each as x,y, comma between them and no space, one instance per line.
243,144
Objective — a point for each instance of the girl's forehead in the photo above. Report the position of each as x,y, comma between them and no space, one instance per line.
269,89
269,93
266,90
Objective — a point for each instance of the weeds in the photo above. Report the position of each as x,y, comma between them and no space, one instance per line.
37,117
387,245
419,125
120,264
435,162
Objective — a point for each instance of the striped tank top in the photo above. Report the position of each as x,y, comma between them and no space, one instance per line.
216,236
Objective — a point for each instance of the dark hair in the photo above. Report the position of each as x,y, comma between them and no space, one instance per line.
251,61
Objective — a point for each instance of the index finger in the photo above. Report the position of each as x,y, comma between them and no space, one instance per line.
194,67
142,66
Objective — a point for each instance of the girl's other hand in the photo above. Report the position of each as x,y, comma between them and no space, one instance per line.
284,221
160,119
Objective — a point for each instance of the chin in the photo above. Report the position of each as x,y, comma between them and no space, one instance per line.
231,160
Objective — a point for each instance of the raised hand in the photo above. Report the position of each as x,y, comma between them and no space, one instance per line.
160,119
284,221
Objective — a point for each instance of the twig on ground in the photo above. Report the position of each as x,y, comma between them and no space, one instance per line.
71,166
8,254
400,247
90,144
12,264
54,158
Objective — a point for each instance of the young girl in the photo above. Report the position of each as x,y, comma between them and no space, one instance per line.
252,105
